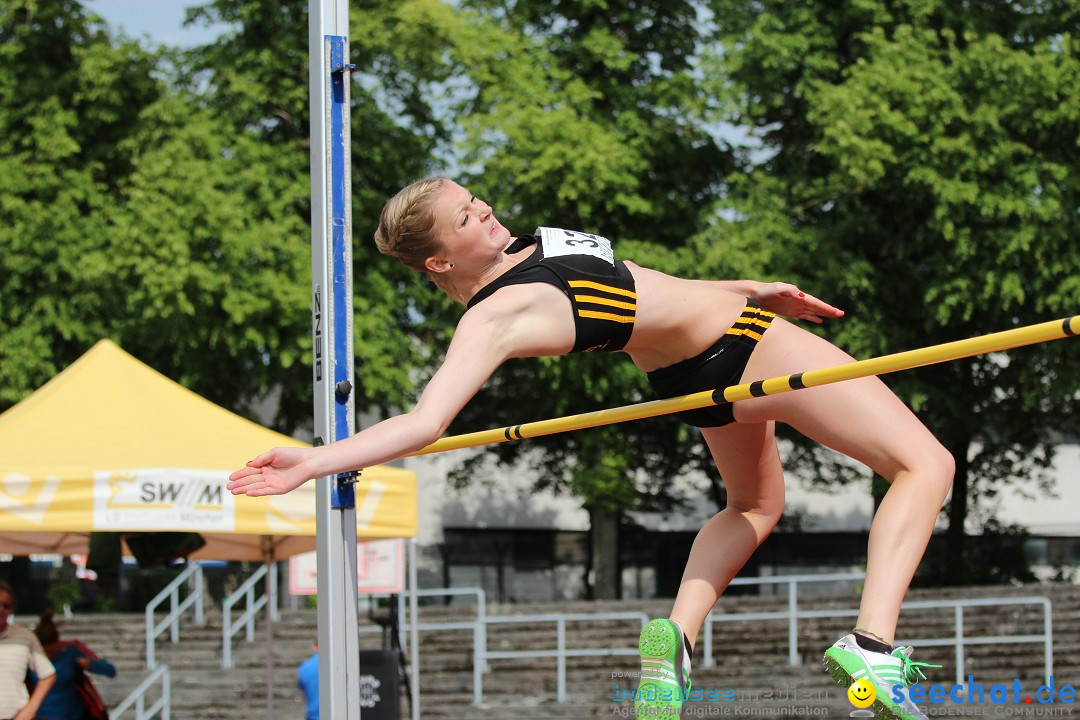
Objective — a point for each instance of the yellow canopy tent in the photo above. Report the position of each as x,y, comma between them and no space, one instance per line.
111,445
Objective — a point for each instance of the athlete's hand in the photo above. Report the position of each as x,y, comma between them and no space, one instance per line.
787,300
275,472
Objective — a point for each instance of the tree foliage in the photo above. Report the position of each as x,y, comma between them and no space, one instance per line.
161,198
69,98
919,161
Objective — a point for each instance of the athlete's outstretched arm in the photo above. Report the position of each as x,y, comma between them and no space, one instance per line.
524,322
477,349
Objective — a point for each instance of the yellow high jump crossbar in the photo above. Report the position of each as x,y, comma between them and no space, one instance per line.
994,342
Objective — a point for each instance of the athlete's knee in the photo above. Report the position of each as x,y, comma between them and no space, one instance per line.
763,513
945,467
934,467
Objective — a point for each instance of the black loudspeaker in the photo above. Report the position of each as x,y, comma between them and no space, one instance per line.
380,691
154,549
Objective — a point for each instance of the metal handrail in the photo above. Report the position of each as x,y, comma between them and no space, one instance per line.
171,621
958,641
478,627
792,614
137,697
561,651
481,655
252,606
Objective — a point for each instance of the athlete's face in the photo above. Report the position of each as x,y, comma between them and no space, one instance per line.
467,229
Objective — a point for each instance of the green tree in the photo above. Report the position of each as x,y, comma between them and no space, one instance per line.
69,97
162,199
918,161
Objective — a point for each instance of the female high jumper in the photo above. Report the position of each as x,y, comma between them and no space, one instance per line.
557,291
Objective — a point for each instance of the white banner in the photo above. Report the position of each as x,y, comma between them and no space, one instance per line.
163,499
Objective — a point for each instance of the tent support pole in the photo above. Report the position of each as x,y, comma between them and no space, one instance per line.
414,634
334,411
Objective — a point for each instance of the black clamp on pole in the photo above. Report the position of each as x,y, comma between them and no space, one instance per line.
349,478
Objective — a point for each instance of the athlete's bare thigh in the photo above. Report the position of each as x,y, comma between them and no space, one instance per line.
861,418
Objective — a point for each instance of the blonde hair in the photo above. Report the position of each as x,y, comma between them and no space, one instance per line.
407,229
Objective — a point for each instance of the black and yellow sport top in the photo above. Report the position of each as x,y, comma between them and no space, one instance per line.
600,288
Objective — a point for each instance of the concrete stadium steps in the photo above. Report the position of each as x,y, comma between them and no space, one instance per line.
751,657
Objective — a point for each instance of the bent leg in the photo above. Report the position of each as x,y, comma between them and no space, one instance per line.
864,420
749,463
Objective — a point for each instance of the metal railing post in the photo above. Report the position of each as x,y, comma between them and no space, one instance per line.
275,614
707,657
479,659
481,614
793,622
1048,640
249,627
151,661
401,618
200,613
226,645
166,695
958,620
174,629
560,659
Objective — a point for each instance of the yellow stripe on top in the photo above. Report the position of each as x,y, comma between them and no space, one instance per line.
754,321
750,317
605,301
755,336
606,316
600,286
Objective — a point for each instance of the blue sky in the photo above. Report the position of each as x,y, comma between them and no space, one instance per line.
162,21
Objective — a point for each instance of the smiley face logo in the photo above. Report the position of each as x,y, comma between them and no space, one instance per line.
862,693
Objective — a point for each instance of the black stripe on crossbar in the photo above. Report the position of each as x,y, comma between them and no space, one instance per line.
1065,326
795,381
516,432
718,397
756,388
507,434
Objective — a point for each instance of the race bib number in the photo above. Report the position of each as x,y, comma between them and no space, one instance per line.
571,242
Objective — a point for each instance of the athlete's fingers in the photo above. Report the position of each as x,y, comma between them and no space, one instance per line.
246,482
243,473
820,307
245,487
264,489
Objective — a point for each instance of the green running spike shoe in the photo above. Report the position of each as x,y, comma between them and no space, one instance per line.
890,674
665,671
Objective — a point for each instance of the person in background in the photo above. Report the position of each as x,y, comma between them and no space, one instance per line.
307,677
71,658
20,651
